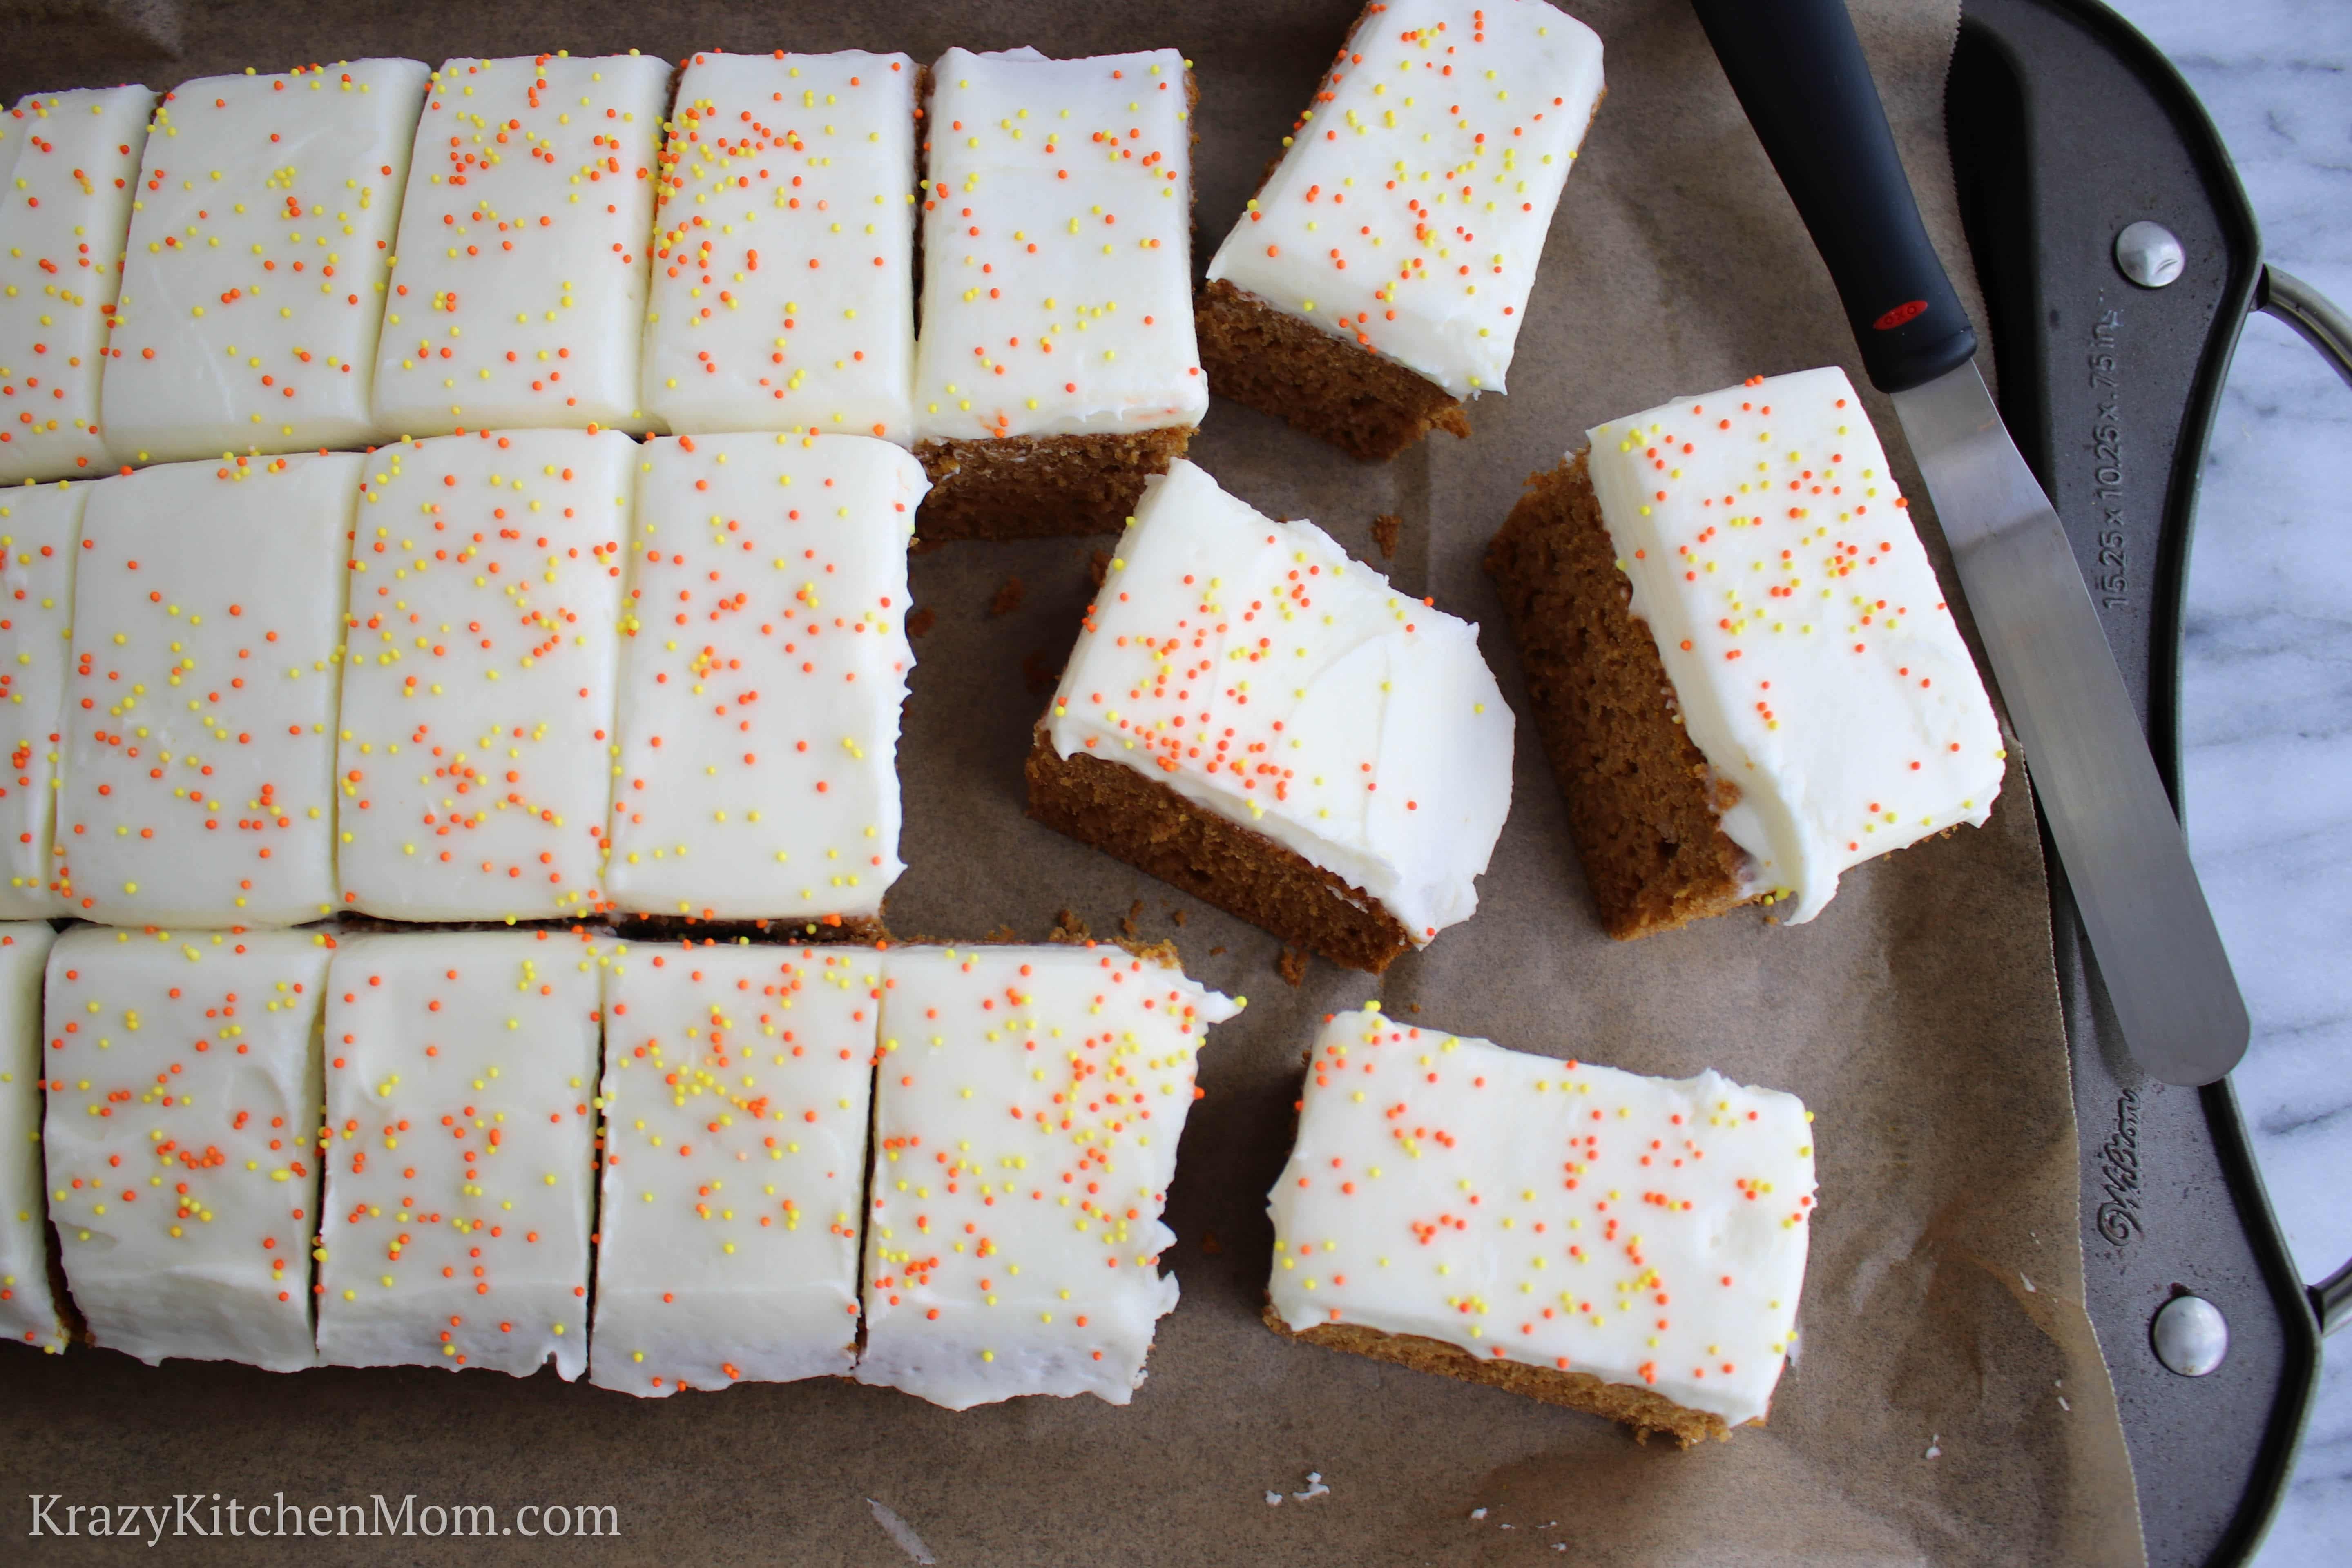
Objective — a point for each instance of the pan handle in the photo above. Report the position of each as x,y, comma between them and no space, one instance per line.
2320,322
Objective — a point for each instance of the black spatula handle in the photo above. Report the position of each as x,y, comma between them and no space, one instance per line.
1799,73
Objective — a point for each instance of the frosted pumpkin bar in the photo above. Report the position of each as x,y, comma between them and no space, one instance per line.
519,296
1631,1247
459,1148
28,1307
737,1080
40,526
200,709
183,1106
64,207
1272,727
253,282
1057,366
1028,1102
1378,280
1743,667
784,266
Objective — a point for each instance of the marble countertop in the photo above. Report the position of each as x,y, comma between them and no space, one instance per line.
2266,690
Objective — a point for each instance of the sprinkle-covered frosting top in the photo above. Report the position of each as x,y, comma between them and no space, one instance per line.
1815,663
1575,1218
1253,668
200,706
253,282
183,1081
519,296
1057,211
763,664
40,526
1410,209
783,267
738,1080
28,1310
1027,1108
68,163
460,1150
475,761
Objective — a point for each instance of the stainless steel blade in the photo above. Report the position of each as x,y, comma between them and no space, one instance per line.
2125,858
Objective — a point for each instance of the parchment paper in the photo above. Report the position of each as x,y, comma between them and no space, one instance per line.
1949,1403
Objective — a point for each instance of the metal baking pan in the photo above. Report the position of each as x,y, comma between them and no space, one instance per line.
2065,126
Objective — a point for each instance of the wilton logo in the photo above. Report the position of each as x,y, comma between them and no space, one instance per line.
2118,1218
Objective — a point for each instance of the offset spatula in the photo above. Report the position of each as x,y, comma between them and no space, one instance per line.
1801,75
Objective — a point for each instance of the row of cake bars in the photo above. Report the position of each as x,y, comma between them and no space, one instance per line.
933,1168
358,252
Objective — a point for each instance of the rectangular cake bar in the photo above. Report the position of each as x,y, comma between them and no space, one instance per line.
784,263
1027,1108
253,283
519,296
476,750
1381,274
200,710
1272,727
459,1148
764,662
1743,667
67,163
184,1099
1057,366
738,1081
30,1313
40,528
1631,1247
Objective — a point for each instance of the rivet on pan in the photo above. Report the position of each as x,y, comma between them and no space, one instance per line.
2191,1335
2148,254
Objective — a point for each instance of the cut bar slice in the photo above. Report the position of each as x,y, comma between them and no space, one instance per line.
28,1306
1382,272
200,712
40,528
1269,725
1633,1246
738,1081
1057,366
475,763
183,1099
460,1150
784,280
1028,1106
520,295
65,206
762,670
253,288
1744,671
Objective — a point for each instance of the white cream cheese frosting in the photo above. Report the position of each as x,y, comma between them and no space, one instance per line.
1057,291
459,1146
39,530
519,294
784,262
184,1177
200,710
1815,663
476,746
253,284
28,1309
1576,1218
1027,1108
763,664
738,1081
1253,668
65,206
1410,211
